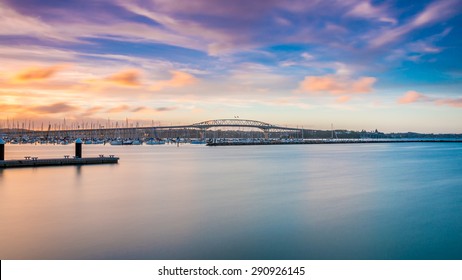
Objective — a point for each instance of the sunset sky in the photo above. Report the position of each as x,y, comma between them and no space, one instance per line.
359,64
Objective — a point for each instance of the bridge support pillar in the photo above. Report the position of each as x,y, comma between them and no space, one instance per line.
266,134
202,134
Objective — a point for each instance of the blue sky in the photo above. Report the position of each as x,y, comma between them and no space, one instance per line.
386,65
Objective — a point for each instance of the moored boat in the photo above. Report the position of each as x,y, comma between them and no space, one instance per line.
116,142
155,142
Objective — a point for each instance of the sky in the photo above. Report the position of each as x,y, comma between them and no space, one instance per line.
394,66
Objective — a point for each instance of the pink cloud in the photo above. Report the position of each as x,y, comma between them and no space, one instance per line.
92,110
54,108
59,107
37,73
335,84
165,109
178,79
343,99
119,109
144,109
452,102
412,97
126,78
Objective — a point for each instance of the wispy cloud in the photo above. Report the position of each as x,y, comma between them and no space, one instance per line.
417,97
452,102
343,99
206,37
412,97
335,84
436,11
60,107
150,57
165,109
416,50
92,110
14,23
139,109
74,111
178,79
125,78
119,109
151,109
55,108
364,9
37,73
252,78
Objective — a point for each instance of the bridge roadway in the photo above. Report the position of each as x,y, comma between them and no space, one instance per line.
201,126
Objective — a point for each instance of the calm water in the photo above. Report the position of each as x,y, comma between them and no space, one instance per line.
357,201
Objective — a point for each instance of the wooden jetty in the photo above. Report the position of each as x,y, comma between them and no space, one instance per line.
66,160
36,162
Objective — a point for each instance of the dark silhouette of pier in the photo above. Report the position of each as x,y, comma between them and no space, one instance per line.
77,159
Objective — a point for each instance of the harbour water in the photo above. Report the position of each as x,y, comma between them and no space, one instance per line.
362,201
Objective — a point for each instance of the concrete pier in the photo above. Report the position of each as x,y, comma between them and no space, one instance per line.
66,160
35,162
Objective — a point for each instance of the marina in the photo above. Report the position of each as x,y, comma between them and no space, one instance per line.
219,132
199,134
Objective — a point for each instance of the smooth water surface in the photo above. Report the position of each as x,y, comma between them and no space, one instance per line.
342,201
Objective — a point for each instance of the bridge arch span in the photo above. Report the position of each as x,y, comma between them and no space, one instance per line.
233,123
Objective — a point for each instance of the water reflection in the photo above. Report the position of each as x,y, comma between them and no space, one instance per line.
381,201
78,171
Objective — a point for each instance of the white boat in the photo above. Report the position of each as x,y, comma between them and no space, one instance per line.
127,142
197,141
155,142
116,142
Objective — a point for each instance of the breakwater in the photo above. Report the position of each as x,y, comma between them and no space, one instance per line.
244,142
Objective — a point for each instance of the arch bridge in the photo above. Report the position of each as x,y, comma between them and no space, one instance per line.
151,131
266,127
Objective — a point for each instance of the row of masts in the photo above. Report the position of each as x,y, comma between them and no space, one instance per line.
72,125
142,134
100,130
